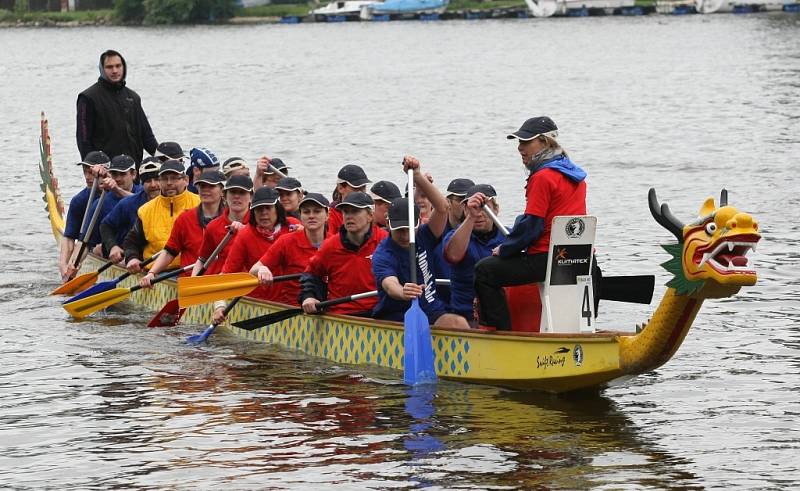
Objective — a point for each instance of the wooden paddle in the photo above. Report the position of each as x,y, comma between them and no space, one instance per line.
171,313
267,319
87,306
107,285
199,338
81,282
196,290
82,244
418,359
631,289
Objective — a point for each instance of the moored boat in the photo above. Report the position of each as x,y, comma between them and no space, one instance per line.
708,261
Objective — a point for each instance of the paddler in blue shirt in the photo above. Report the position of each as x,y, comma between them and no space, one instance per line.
118,182
472,241
77,210
119,222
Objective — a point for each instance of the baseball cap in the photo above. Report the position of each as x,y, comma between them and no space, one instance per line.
278,164
96,157
357,199
264,196
535,127
203,158
232,164
315,198
353,175
149,168
213,177
289,184
169,149
459,186
385,191
172,165
398,214
122,163
486,189
239,182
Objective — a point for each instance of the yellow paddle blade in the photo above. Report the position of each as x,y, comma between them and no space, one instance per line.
76,284
89,305
196,290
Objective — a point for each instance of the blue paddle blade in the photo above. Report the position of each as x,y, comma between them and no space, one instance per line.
418,362
200,338
93,290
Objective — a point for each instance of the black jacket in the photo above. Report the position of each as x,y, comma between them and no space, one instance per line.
111,119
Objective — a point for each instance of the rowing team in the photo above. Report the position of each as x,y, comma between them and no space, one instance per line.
226,222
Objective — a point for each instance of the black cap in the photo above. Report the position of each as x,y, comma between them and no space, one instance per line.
357,199
530,129
149,168
213,177
172,165
486,189
169,149
315,198
96,157
278,164
232,164
122,163
264,196
289,184
239,182
459,187
385,191
353,175
398,214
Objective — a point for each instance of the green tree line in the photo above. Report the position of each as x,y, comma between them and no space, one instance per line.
173,11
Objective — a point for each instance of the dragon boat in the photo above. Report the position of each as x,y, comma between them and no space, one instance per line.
709,260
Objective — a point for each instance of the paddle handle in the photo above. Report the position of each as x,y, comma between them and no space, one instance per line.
141,265
216,251
164,276
351,298
496,220
275,170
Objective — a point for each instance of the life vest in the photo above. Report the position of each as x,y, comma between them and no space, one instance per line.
158,215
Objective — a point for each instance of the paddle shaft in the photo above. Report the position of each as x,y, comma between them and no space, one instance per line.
412,247
88,233
106,285
163,277
267,319
92,192
216,251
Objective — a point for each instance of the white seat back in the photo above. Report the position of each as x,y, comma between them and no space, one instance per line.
567,297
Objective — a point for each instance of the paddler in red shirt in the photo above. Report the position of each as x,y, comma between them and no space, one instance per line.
187,231
238,192
268,222
351,178
291,253
343,265
555,187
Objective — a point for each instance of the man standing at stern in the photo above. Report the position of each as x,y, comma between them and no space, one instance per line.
110,115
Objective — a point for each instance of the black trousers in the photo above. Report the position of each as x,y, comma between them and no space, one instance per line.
493,273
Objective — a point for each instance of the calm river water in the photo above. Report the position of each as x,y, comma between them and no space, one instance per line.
686,104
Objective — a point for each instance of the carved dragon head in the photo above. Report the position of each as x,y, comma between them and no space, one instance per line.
710,258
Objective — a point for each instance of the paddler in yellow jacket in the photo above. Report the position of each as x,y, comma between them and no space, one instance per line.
156,217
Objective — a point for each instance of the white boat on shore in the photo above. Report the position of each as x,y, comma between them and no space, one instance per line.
720,6
344,9
549,8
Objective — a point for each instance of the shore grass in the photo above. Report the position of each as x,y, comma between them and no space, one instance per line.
79,16
274,10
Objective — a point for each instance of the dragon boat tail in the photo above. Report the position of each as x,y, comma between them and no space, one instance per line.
708,261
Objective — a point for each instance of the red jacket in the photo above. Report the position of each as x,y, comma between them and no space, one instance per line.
347,272
247,248
288,255
335,221
549,194
186,236
215,232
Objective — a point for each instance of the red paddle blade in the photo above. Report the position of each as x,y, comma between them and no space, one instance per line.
168,316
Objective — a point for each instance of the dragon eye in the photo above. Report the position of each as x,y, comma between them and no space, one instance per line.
711,227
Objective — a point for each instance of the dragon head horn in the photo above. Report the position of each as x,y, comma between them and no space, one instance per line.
723,198
664,216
